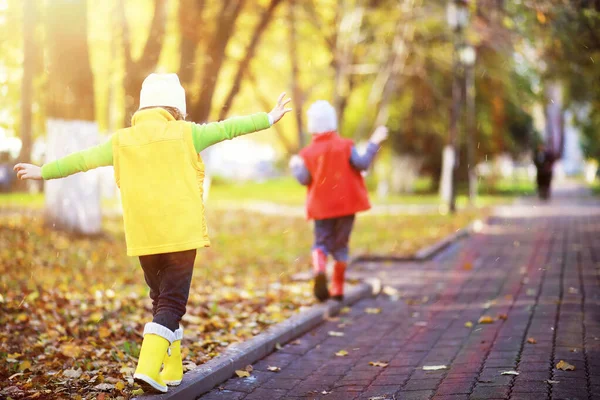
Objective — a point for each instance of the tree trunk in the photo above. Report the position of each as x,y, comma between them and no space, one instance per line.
215,57
296,89
29,23
137,70
73,203
250,51
190,18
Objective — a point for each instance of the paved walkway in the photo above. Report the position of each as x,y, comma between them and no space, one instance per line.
534,270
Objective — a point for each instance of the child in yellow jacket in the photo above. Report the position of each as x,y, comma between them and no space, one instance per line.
160,173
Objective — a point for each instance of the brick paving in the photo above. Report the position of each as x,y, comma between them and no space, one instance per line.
534,269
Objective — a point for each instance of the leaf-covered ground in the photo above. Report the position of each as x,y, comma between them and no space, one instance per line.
72,309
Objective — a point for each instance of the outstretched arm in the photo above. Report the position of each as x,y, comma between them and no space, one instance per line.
81,161
299,170
206,135
362,162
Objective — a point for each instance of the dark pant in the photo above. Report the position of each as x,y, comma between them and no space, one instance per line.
332,236
169,276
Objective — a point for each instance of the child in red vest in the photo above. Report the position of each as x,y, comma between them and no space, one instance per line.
331,168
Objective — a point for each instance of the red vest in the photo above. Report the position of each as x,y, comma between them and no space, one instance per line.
336,188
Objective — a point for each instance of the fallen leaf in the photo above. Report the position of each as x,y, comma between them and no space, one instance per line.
468,324
336,334
242,374
531,292
467,266
345,310
103,332
434,367
531,340
72,373
550,381
565,366
341,353
137,392
421,323
70,350
249,368
25,365
371,310
120,385
10,378
510,373
378,364
485,319
278,346
273,369
296,342
105,387
503,316
573,290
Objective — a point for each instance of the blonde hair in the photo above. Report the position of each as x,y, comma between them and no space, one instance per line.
178,115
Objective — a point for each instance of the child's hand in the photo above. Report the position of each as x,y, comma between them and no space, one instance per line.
380,134
279,110
28,171
296,161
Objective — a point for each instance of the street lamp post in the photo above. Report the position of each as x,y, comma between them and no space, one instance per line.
467,59
458,18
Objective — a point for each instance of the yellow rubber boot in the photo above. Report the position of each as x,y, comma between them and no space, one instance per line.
157,339
172,372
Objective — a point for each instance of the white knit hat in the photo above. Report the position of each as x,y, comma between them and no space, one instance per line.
162,90
321,117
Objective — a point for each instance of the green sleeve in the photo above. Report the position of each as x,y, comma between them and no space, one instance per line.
81,161
208,134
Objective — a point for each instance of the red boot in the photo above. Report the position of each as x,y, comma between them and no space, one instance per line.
337,282
319,268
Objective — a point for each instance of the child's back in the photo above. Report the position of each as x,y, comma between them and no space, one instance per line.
336,188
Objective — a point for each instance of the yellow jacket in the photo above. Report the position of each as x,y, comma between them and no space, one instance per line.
160,174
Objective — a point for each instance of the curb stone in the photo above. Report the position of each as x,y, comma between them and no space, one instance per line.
218,370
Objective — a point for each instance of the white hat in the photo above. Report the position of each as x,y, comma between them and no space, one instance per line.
162,90
321,117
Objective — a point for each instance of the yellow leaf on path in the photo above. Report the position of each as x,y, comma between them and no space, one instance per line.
372,310
434,367
345,310
278,346
242,374
486,319
468,324
503,316
24,365
531,340
341,353
378,364
467,266
70,350
103,332
120,385
137,392
509,373
336,334
273,369
565,366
